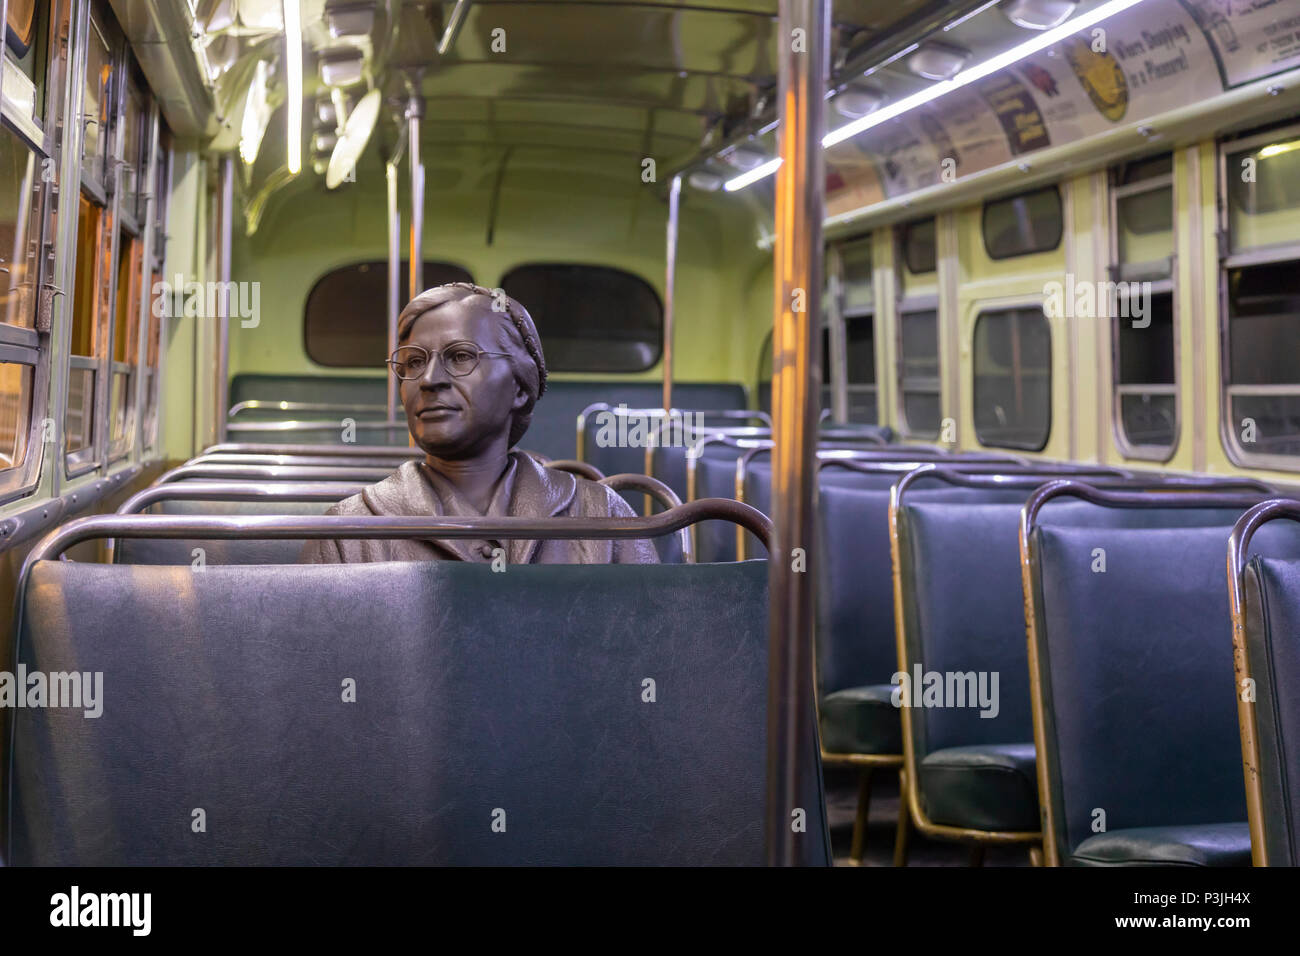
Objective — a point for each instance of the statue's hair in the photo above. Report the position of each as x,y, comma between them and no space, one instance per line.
520,334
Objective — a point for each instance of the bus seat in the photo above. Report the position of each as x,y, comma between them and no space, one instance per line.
1272,593
1136,675
400,713
963,615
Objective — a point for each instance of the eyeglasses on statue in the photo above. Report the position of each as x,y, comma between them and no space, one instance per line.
458,358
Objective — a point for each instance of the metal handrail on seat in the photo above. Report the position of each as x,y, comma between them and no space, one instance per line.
389,527
342,450
276,473
257,404
237,491
656,489
1238,549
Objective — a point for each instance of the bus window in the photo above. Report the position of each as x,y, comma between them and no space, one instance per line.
26,22
860,337
133,153
918,372
90,330
126,343
96,107
1263,373
1261,367
1023,224
1013,378
857,297
15,412
592,318
1142,250
918,242
344,324
20,207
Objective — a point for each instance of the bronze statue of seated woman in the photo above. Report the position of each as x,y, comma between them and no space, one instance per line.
471,369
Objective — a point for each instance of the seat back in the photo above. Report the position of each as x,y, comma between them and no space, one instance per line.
1272,602
399,713
1133,640
217,552
963,616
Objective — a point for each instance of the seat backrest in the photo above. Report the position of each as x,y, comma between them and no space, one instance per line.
963,615
1135,666
217,552
1272,592
553,431
715,477
400,713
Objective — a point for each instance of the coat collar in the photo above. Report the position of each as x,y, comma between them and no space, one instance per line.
526,489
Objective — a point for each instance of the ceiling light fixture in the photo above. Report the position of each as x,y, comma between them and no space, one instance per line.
293,76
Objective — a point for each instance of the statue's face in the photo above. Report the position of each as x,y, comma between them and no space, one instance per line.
459,417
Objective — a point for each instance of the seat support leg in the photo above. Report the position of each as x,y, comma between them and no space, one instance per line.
1035,855
977,855
859,845
903,836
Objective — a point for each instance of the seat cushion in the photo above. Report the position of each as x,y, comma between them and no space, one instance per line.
1204,844
861,720
984,787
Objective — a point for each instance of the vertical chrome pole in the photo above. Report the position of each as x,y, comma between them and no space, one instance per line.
796,393
394,278
414,112
223,321
837,363
670,284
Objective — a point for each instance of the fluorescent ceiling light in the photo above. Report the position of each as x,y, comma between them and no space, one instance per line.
977,72
257,115
293,77
754,175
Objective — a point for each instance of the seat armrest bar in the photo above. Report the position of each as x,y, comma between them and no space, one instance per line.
238,491
656,489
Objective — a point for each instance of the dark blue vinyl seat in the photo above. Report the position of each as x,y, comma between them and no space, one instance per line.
1143,761
1272,602
964,622
497,718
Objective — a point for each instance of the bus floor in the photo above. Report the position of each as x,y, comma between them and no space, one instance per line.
841,806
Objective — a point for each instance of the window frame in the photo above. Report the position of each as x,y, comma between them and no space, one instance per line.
103,191
910,303
914,306
1162,277
31,347
988,309
1055,189
1227,261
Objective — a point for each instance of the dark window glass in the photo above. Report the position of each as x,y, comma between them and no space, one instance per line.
1023,224
1145,370
96,106
590,318
855,266
20,225
1013,378
1265,179
860,337
1264,361
919,251
919,371
345,324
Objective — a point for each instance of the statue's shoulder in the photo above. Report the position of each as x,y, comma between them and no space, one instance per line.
393,495
594,500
